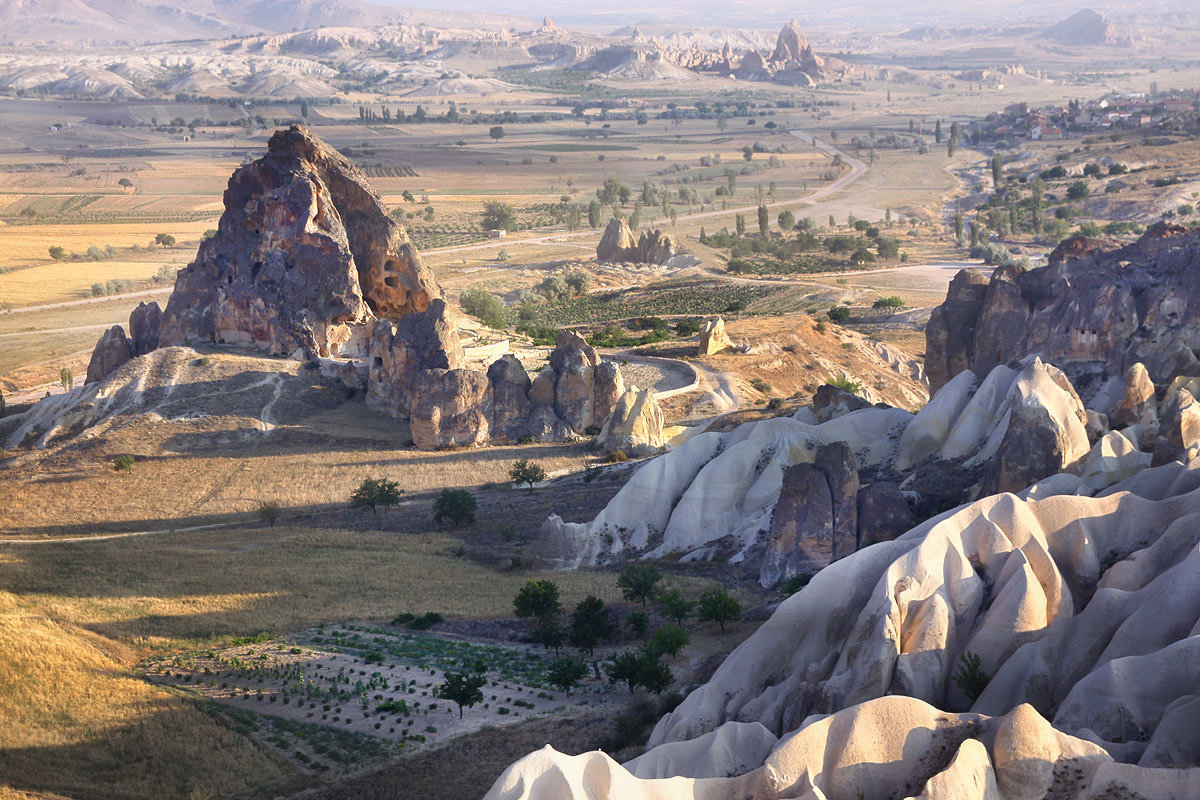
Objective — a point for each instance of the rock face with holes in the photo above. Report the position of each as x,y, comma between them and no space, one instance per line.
1097,306
305,256
399,351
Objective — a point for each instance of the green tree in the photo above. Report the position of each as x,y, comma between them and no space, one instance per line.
496,132
484,306
464,689
997,165
739,224
125,183
566,673
123,464
498,216
591,624
525,471
165,239
748,153
669,640
375,492
594,212
638,622
937,132
641,667
838,313
764,220
1078,190
1037,205
66,379
969,675
268,512
57,253
786,220
456,505
720,607
672,603
538,599
639,582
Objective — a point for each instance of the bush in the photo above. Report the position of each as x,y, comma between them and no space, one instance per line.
268,512
669,640
57,253
839,313
795,584
638,622
888,302
525,471
687,327
456,505
970,677
846,384
165,239
425,621
123,464
375,492
484,306
1078,191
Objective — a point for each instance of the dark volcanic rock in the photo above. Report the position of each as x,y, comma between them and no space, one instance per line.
837,463
1107,307
510,398
831,402
112,351
801,536
883,513
144,326
304,250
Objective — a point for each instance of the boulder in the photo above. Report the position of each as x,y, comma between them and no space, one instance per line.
608,386
567,343
420,341
713,338
1046,432
111,352
575,392
635,425
802,527
450,407
541,391
883,513
1003,318
1179,430
656,247
950,331
144,325
830,402
1137,405
305,250
837,463
510,398
617,242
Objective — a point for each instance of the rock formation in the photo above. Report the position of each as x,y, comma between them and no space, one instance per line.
144,325
450,408
1084,613
713,338
1017,430
304,258
113,350
1086,27
652,247
1104,310
635,427
423,340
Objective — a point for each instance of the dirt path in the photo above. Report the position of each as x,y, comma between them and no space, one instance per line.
857,170
88,301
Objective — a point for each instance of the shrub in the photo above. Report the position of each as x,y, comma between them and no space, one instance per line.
761,385
456,505
484,306
425,621
889,302
839,313
165,239
525,471
970,677
1078,190
720,607
794,584
638,622
268,512
687,327
846,384
57,253
123,464
669,640
375,492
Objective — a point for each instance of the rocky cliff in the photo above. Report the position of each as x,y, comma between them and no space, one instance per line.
1096,306
305,255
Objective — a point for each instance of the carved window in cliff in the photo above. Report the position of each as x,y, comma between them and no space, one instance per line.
390,266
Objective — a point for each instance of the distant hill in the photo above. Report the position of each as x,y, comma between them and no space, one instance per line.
153,20
1087,27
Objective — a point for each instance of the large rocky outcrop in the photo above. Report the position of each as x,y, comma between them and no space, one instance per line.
652,247
713,338
450,408
305,255
1092,307
1084,613
145,322
635,427
510,399
111,351
420,341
